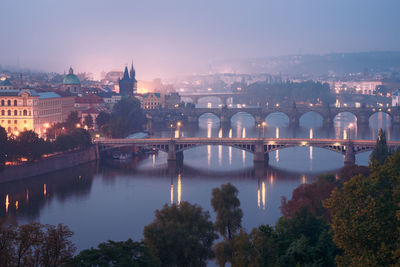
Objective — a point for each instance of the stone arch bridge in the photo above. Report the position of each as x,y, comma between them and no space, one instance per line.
293,113
260,147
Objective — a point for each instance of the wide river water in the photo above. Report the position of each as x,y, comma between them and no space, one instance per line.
102,201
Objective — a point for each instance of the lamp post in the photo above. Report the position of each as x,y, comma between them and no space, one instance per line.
171,126
259,130
263,125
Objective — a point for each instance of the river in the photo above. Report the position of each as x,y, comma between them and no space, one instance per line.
101,202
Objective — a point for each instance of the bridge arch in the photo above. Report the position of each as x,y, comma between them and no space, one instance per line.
277,119
209,118
203,100
245,118
345,119
380,119
311,119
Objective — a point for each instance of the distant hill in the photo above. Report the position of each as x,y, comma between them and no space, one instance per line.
335,63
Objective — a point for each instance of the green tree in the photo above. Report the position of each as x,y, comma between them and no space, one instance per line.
88,121
364,216
227,206
381,151
304,239
264,239
111,253
181,236
30,146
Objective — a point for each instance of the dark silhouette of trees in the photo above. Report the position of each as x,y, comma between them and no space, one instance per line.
227,206
310,197
125,118
181,236
111,253
88,121
381,151
35,244
3,147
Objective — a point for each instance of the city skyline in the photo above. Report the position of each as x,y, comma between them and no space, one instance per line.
169,39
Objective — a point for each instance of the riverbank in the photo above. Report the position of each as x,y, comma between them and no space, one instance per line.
47,165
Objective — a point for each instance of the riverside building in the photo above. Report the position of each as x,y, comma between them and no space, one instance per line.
27,109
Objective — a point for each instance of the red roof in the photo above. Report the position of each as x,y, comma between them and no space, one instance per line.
89,99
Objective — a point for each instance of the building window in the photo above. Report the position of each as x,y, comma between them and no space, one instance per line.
9,112
3,113
25,112
9,130
15,103
2,102
15,122
15,113
9,122
9,102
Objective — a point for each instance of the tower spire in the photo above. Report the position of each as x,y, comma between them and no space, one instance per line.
132,72
126,75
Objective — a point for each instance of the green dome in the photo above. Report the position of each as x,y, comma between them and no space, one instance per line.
71,78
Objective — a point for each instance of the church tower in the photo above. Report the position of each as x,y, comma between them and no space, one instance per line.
125,84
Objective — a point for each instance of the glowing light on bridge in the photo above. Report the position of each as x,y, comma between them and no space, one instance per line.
44,190
311,133
209,128
277,133
179,189
27,195
303,143
16,205
230,133
7,203
244,133
154,160
220,133
303,179
271,179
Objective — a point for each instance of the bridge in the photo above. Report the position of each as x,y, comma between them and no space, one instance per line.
260,147
195,97
294,113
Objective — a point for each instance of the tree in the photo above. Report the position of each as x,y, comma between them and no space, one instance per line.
365,216
72,120
30,146
102,119
124,253
310,197
381,151
304,239
227,206
88,121
81,138
181,236
35,244
3,145
349,171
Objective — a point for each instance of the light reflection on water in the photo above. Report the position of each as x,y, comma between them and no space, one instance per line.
102,202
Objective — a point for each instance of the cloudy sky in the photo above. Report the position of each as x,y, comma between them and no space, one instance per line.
172,37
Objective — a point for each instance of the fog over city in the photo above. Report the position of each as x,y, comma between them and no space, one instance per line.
169,38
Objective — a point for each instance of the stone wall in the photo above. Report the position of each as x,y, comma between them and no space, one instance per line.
47,165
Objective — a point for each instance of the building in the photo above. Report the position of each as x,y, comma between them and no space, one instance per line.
88,101
71,83
172,100
355,87
396,98
27,109
5,84
151,101
128,83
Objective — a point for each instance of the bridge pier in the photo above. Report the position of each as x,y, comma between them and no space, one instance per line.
260,157
349,157
258,119
362,120
224,120
294,121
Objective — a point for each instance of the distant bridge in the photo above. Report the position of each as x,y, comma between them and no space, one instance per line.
260,147
294,113
195,97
